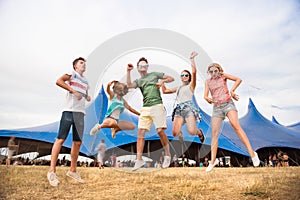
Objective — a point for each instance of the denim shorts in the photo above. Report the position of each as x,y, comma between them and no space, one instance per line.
74,119
222,110
184,112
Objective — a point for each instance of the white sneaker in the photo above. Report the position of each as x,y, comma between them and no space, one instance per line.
94,130
255,160
211,166
167,161
52,178
75,176
138,164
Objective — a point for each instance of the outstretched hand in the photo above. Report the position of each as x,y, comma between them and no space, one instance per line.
193,55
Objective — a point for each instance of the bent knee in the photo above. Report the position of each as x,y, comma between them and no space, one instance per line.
192,131
175,133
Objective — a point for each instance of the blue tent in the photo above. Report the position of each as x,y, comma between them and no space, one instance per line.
261,131
295,126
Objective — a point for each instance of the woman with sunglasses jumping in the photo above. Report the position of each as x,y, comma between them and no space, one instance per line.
223,106
185,111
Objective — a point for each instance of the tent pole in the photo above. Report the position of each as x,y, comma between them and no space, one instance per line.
19,142
148,149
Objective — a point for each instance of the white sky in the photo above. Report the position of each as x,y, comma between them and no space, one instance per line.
259,41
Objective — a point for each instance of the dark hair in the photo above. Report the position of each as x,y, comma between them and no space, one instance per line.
76,60
190,76
142,59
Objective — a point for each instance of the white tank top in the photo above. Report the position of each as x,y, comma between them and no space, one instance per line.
184,94
79,84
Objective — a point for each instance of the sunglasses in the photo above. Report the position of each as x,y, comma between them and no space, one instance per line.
143,65
213,71
184,75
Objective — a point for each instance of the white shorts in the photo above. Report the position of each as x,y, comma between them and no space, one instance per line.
10,153
154,114
100,157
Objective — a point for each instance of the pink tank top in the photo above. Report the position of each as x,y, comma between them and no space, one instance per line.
219,90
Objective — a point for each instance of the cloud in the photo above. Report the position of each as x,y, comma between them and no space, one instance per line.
255,40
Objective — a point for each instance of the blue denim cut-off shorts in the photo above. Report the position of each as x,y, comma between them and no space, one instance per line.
74,119
222,110
185,111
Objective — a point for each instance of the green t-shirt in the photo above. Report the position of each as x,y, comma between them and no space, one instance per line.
151,94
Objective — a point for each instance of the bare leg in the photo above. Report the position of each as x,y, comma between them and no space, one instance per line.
140,143
234,121
7,162
191,125
54,153
215,124
74,155
177,125
124,125
108,123
164,141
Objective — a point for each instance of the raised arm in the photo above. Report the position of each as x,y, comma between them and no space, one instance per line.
130,108
109,91
194,71
128,77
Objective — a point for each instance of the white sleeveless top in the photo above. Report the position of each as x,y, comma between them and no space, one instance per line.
79,84
184,94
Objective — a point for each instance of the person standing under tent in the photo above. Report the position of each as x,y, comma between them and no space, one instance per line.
101,153
11,149
73,116
223,106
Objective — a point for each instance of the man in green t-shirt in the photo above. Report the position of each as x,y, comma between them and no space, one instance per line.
152,110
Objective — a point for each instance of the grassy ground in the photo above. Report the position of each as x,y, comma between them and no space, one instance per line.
30,182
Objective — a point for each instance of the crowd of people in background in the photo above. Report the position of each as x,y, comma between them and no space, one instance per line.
280,159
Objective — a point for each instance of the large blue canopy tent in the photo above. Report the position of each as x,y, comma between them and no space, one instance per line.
262,133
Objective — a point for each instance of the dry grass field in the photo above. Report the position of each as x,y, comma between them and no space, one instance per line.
30,182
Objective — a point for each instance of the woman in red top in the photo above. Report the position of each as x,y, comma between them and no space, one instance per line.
223,106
